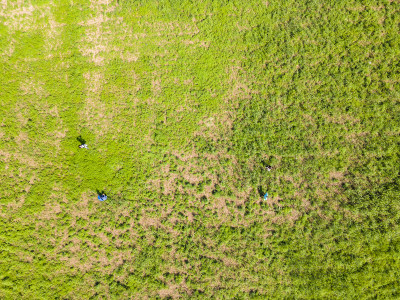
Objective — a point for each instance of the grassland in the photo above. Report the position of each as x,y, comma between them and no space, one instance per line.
182,105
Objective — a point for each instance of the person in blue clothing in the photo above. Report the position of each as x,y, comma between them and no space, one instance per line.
265,196
102,197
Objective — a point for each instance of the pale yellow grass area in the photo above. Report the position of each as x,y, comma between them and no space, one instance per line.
57,136
95,113
99,33
197,43
94,82
156,87
17,204
173,28
96,116
22,138
28,16
107,36
18,15
9,49
129,56
53,41
27,160
33,87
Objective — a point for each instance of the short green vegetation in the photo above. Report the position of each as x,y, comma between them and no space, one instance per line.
182,105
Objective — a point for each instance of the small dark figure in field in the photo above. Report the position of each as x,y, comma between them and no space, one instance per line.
82,141
268,168
102,197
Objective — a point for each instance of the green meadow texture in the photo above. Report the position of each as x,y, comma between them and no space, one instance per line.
183,104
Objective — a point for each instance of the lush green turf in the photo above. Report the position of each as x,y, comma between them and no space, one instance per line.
182,105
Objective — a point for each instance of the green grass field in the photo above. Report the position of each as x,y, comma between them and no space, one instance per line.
182,105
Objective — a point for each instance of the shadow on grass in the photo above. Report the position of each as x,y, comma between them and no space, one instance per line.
81,140
260,191
100,193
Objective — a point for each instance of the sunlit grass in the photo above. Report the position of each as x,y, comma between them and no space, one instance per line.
182,105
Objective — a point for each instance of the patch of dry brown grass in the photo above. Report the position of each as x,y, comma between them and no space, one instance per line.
18,15
148,222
